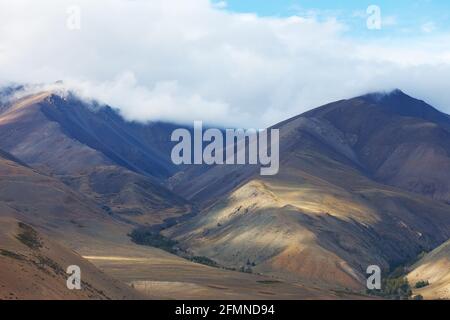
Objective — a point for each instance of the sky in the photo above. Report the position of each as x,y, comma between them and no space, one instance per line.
402,17
231,63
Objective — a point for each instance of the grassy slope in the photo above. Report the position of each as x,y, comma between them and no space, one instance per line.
34,267
322,218
434,268
40,200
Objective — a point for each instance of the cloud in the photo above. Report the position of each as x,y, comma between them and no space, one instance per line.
220,4
183,60
428,27
165,100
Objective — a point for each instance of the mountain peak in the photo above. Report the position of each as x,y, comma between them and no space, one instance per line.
399,103
381,96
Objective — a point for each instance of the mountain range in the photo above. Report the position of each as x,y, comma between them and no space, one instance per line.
362,182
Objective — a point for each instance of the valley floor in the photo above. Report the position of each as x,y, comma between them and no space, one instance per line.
165,276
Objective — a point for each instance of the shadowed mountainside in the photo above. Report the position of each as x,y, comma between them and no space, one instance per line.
399,140
132,197
390,138
118,164
77,135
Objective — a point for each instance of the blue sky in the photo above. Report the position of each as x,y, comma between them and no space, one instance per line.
402,18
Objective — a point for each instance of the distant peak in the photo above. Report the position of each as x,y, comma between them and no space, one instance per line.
385,95
400,103
397,92
14,93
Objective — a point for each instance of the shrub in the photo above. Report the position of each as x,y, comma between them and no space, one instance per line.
146,237
422,284
397,288
204,260
394,288
246,269
12,255
29,237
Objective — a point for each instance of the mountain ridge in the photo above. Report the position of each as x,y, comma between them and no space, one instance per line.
331,186
360,183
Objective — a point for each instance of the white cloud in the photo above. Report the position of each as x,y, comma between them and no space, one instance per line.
189,60
220,4
428,27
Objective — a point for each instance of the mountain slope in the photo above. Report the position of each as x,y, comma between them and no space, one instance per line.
71,221
130,145
130,196
118,164
342,200
76,135
46,202
391,138
30,136
325,217
434,268
305,225
34,267
401,141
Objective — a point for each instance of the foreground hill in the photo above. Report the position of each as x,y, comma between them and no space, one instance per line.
34,267
434,268
163,275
